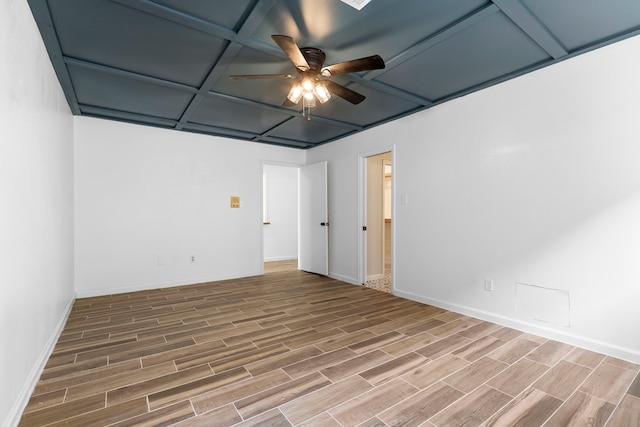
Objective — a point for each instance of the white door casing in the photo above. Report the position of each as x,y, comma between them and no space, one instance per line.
362,211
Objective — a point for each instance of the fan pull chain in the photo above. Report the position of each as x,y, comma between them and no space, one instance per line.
306,107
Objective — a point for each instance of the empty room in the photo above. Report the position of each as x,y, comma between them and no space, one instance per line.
462,213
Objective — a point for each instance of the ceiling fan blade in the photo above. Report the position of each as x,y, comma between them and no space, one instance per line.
292,50
261,76
344,92
374,62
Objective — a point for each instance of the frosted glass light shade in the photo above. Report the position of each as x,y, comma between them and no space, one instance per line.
322,93
295,93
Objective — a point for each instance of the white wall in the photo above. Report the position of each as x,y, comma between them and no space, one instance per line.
541,186
36,208
148,199
281,234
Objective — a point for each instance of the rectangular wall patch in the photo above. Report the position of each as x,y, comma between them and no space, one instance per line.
543,304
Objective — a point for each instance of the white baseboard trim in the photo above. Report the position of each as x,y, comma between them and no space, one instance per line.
541,330
281,258
34,375
344,278
158,285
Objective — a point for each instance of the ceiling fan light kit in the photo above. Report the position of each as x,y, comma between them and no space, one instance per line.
309,90
310,87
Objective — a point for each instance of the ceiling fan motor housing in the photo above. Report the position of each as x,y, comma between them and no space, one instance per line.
315,58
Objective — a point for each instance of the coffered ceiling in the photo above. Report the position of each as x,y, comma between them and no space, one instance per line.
167,63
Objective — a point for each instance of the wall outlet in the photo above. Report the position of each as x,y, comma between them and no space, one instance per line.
488,285
193,258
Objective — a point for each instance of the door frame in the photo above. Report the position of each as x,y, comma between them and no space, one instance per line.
362,211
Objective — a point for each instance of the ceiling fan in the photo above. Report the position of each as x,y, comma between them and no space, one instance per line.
311,84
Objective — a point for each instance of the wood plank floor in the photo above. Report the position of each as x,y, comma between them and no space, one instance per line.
292,348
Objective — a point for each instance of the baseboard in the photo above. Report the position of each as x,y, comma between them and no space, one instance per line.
281,258
32,379
344,278
158,285
543,331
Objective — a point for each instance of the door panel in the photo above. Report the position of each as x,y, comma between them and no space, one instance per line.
313,221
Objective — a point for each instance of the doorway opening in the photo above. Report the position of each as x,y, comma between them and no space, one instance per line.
279,217
378,222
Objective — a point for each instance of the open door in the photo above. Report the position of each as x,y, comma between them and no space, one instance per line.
313,219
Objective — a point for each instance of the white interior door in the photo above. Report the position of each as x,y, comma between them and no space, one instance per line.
313,219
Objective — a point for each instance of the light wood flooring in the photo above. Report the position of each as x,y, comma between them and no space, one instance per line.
292,348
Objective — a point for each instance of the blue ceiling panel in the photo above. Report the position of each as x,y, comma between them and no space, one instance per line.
117,93
314,131
111,34
485,51
233,115
580,23
375,108
226,13
252,61
167,63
